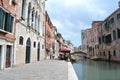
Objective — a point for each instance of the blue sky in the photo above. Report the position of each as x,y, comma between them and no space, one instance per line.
72,16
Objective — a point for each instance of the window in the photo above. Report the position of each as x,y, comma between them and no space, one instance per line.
100,53
106,25
118,16
21,40
103,38
36,20
42,46
14,2
104,53
108,39
111,21
114,53
118,33
34,44
33,15
114,35
23,8
6,21
29,12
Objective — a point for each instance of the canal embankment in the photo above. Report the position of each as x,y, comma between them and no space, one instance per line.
71,72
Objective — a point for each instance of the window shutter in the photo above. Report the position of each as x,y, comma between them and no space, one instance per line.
1,18
11,23
6,28
8,23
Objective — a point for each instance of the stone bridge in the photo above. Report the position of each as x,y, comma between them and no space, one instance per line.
78,55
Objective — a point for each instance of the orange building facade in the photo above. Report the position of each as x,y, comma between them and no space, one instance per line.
48,36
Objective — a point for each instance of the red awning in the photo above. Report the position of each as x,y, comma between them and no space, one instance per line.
64,50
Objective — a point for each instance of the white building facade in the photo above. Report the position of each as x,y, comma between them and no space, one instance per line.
30,28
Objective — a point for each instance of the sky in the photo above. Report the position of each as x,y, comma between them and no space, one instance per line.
72,16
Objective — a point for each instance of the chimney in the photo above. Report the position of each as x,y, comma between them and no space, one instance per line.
119,4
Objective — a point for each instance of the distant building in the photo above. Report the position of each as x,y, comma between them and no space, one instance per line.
69,45
84,37
93,39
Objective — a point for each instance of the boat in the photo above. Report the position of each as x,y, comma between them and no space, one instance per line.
95,58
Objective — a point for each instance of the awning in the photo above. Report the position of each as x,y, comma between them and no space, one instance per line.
63,50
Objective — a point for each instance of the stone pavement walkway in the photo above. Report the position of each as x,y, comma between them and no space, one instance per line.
42,70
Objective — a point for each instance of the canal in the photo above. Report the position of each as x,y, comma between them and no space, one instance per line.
97,70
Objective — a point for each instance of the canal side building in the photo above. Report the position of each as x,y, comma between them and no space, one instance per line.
103,39
8,9
110,37
48,36
86,41
30,29
94,38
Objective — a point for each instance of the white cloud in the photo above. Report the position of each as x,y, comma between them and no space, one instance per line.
71,16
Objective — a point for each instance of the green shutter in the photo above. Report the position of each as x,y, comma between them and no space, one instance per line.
11,23
8,23
1,18
6,27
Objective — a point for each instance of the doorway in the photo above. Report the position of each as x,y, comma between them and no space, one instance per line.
8,56
109,56
38,52
28,51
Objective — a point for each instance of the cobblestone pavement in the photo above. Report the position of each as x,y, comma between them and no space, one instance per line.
42,70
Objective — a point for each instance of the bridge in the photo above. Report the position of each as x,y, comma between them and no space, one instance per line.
78,55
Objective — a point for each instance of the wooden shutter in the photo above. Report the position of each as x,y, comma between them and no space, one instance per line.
1,18
11,23
6,28
8,23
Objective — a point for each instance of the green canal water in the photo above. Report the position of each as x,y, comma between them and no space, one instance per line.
97,70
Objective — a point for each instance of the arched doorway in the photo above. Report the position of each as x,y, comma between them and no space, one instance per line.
38,52
28,51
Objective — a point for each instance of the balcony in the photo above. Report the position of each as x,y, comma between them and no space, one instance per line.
3,32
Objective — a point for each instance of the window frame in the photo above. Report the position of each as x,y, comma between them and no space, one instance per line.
7,21
21,40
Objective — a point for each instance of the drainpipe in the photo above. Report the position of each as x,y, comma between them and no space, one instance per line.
13,55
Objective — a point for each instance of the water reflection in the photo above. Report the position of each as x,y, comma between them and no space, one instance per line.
97,70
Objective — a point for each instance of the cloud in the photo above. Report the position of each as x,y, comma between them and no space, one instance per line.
71,16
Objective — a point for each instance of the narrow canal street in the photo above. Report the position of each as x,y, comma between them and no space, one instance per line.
97,70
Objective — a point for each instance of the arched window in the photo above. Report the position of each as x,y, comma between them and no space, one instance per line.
23,8
36,20
21,40
38,23
29,12
33,16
